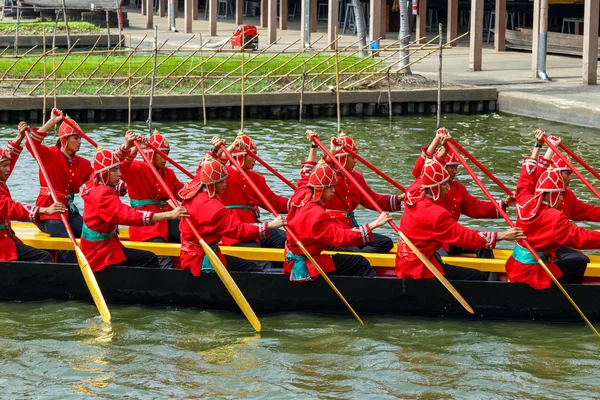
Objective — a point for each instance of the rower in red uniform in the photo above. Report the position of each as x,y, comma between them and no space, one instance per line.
347,198
146,194
104,211
243,201
214,221
429,226
547,228
11,248
67,172
317,231
572,207
458,200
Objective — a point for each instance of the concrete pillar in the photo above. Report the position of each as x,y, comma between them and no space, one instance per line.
332,19
272,28
535,39
476,36
500,26
149,14
421,28
383,29
283,14
188,14
212,18
143,11
264,13
195,10
304,33
239,12
162,8
452,22
375,19
590,42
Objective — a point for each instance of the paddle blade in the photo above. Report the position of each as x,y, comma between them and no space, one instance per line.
231,286
92,284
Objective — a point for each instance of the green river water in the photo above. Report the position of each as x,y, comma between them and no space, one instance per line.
55,350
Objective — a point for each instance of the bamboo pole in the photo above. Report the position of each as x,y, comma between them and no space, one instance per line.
64,11
17,27
202,80
44,106
17,59
152,81
129,87
23,77
80,64
302,92
337,85
185,60
439,91
389,88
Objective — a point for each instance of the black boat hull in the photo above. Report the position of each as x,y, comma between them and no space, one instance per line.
269,293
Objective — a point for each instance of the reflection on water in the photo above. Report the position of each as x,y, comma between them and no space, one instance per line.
55,350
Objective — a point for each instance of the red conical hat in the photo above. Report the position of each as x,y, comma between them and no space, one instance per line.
323,176
432,177
64,131
159,141
238,152
4,154
211,172
346,141
551,181
558,164
451,160
103,161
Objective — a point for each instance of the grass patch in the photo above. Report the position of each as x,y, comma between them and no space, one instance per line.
180,73
38,27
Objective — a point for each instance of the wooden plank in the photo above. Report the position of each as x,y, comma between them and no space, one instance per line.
332,18
421,28
500,26
590,42
476,36
313,15
212,18
283,14
272,23
452,22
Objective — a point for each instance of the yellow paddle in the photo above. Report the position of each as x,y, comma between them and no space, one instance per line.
88,275
220,269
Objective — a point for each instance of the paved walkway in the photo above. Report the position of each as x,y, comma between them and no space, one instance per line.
564,99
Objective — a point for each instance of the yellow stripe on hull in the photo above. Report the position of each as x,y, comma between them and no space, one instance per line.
31,236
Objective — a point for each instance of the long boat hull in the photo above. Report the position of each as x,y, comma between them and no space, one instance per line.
273,292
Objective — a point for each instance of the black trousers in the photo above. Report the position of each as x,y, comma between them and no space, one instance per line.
572,264
55,228
174,236
276,240
347,265
239,264
455,273
139,258
28,253
379,244
453,250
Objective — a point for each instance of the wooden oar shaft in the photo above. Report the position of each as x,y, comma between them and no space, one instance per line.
271,169
527,245
374,169
580,160
81,133
88,275
482,168
572,167
169,159
220,269
289,231
405,239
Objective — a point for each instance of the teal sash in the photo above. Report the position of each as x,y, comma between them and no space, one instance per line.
3,226
94,236
299,269
72,207
207,266
142,203
524,256
350,215
240,207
